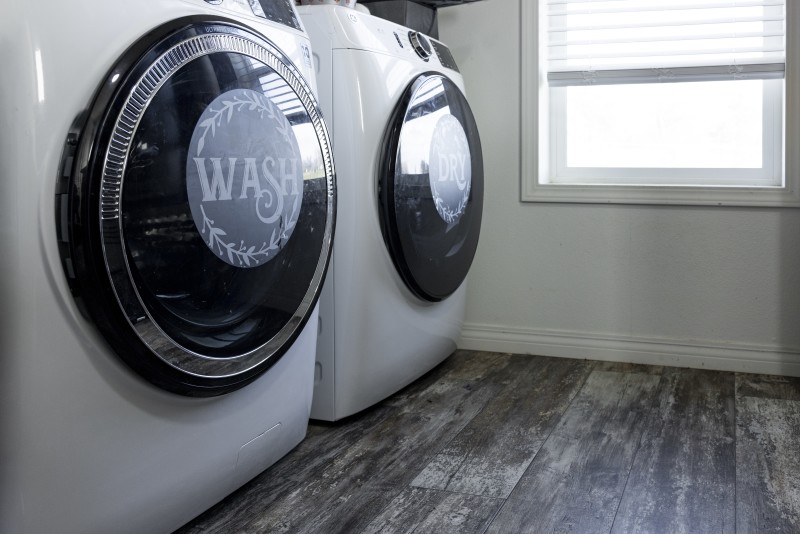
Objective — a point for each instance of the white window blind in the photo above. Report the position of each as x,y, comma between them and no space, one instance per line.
646,41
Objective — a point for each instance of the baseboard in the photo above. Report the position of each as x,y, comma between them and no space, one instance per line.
565,344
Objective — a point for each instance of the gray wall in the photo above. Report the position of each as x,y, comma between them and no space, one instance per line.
692,286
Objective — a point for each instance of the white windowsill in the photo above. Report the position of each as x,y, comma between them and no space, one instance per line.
663,195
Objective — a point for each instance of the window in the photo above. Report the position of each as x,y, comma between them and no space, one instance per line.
660,101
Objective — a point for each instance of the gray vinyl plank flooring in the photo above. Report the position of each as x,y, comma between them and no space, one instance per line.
768,386
683,478
577,479
504,443
768,454
520,417
427,510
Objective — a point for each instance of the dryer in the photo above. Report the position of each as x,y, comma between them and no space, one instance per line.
167,218
410,193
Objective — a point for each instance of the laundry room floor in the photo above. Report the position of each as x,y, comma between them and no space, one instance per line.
505,443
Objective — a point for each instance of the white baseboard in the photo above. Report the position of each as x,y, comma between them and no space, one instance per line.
705,355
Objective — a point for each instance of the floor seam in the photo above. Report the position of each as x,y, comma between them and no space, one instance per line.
653,413
735,449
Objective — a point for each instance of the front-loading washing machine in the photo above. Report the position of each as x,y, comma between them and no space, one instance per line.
410,199
166,216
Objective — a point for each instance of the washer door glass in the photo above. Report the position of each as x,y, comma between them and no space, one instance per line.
431,187
211,182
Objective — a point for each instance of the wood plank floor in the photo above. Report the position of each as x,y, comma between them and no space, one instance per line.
506,443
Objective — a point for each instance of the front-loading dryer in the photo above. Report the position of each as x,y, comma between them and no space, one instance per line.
410,197
166,219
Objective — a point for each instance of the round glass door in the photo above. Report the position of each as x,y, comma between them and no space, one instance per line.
202,223
431,187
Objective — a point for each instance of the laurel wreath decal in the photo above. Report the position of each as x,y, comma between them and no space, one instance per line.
254,102
451,216
241,253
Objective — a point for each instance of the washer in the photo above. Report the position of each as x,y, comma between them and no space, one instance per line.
408,158
167,218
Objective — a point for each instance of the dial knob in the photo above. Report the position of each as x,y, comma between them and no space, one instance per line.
420,44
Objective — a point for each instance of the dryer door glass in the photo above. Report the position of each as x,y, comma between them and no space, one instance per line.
431,187
211,180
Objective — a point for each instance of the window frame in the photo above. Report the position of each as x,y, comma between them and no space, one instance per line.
536,150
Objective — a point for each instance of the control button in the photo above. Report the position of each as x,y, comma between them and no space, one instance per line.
420,44
398,40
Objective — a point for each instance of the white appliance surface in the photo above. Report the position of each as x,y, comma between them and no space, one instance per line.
376,336
86,444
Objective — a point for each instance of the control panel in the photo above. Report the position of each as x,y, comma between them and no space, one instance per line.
280,11
366,32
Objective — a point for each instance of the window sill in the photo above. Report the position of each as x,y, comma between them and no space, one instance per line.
660,195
